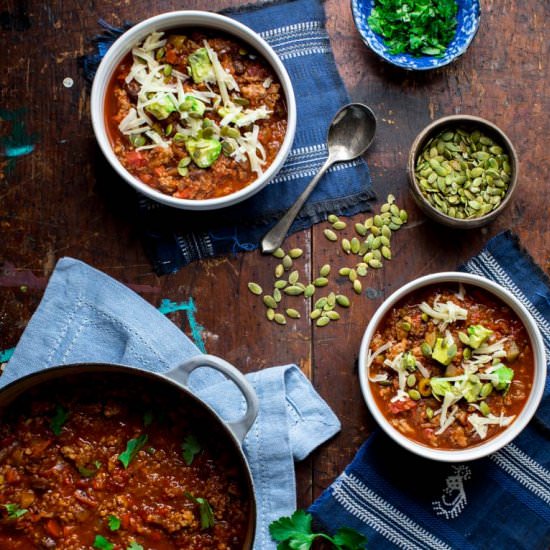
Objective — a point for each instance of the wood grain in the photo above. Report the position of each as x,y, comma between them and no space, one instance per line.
59,200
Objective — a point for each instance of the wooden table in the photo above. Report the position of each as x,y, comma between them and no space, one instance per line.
52,204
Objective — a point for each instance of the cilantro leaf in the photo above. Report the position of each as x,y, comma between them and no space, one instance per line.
58,419
14,512
134,546
295,533
132,449
419,27
190,448
205,511
101,543
113,522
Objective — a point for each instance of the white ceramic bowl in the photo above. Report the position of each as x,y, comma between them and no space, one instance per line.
175,20
495,443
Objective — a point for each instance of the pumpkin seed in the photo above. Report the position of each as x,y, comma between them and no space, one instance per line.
320,281
269,301
377,264
385,207
342,300
287,262
331,299
332,218
352,275
280,284
360,229
321,303
333,315
316,313
270,313
386,252
277,295
279,270
411,380
344,271
357,287
279,318
293,277
292,313
309,291
325,270
346,246
362,270
486,390
293,290
339,225
355,245
484,408
322,321
426,349
414,395
255,288
278,253
295,253
330,235
368,223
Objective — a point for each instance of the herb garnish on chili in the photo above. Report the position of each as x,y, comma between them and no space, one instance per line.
190,448
132,449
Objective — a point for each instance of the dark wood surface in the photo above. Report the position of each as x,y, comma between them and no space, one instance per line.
54,203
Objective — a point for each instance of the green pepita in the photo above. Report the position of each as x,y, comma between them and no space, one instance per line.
269,301
322,321
320,281
292,313
295,253
325,270
342,300
255,288
293,290
357,286
279,318
293,277
330,235
339,225
287,262
309,291
277,295
270,313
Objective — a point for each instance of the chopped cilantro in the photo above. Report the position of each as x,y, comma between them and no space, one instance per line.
134,546
295,532
58,419
419,27
14,512
190,448
205,510
86,472
101,543
113,522
132,449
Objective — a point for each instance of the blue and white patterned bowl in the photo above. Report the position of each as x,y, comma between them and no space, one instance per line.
468,23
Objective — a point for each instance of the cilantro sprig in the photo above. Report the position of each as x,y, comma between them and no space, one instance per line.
132,449
205,511
113,522
190,448
14,512
295,533
58,419
101,543
419,27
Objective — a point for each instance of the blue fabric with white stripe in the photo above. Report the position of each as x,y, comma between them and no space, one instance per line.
296,31
400,500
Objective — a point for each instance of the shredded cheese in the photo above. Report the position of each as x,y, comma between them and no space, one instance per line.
481,423
444,313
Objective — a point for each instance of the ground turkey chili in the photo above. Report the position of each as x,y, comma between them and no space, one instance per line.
195,115
450,367
92,464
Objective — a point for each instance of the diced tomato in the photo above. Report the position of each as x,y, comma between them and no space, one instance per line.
135,159
53,528
400,406
171,56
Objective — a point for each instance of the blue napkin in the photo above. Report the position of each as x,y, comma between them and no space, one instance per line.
400,500
296,31
85,316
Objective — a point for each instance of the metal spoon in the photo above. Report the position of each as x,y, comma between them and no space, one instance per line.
350,134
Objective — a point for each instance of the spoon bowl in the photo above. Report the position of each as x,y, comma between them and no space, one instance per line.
350,134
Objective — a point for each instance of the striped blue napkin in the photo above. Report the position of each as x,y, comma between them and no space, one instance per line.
296,31
400,500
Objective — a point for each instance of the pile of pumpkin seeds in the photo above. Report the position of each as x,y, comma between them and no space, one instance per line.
371,244
463,174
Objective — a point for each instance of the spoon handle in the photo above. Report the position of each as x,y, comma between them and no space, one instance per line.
275,236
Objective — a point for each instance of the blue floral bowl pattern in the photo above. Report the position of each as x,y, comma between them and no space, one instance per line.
467,25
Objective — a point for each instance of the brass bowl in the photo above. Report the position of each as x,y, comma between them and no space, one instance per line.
468,123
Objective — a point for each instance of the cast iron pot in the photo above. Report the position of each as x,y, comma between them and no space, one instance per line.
174,380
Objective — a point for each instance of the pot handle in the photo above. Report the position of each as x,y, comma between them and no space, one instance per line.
241,426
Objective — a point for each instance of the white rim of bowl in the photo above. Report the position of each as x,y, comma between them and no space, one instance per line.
174,20
490,446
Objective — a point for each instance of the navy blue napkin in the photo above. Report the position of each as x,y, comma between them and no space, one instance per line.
400,500
296,31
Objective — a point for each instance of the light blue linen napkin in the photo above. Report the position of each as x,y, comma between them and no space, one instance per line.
86,316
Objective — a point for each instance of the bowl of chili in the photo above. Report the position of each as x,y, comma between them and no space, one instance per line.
452,366
193,109
113,456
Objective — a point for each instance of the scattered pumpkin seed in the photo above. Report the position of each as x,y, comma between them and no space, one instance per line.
357,286
414,395
320,303
279,318
325,270
293,290
362,269
287,262
377,264
342,300
269,301
295,253
360,229
339,225
486,390
278,253
293,277
484,408
386,252
344,271
346,246
280,284
320,281
293,313
332,218
279,270
426,349
255,288
333,315
411,380
352,275
330,235
316,313
270,313
355,245
309,291
322,321
277,295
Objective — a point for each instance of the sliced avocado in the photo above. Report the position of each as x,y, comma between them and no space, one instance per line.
199,65
477,334
204,152
195,107
161,108
471,388
443,351
505,376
